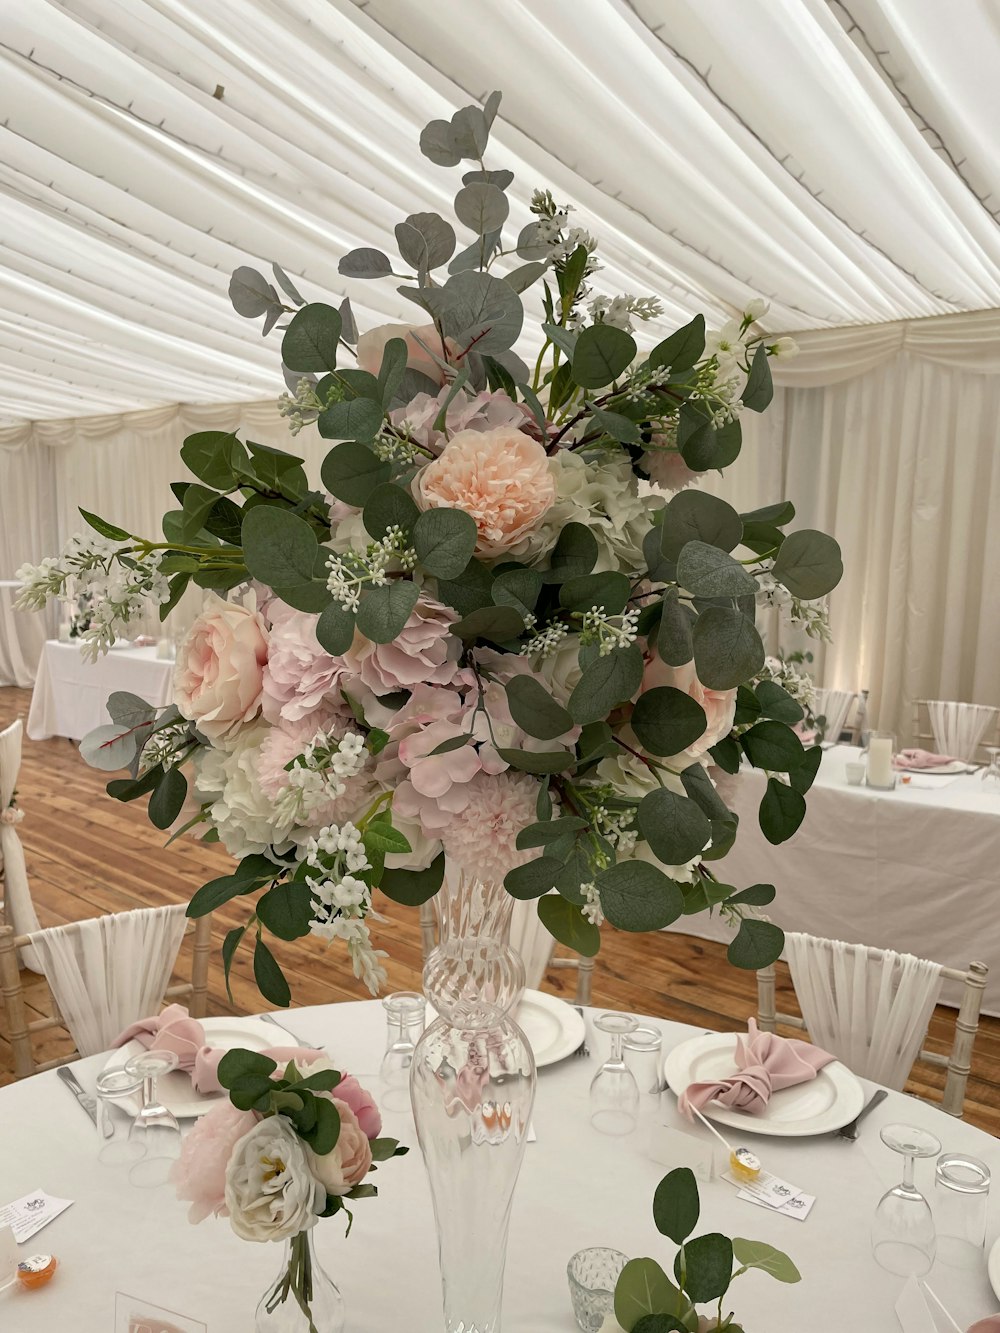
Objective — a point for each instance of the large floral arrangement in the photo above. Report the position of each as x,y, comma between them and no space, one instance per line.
508,632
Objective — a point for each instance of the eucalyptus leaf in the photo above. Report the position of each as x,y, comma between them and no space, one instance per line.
389,506
636,896
777,703
534,878
782,810
365,263
759,389
675,827
112,746
566,923
607,591
575,554
682,349
676,1206
251,294
482,311
519,588
667,720
167,801
772,746
482,207
384,610
707,1267
534,709
280,549
698,516
604,684
413,887
674,636
444,540
310,341
706,571
757,944
522,278
427,241
602,352
538,761
128,710
351,419
497,623
809,564
351,472
335,629
727,648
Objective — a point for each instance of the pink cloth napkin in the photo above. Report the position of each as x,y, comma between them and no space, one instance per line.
805,734
990,1325
175,1030
922,759
766,1063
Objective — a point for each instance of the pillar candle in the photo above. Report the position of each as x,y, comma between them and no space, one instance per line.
880,761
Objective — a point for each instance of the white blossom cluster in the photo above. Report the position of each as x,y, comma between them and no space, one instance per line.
617,826
619,311
301,408
320,774
591,907
800,686
609,632
91,565
351,571
341,901
545,642
813,617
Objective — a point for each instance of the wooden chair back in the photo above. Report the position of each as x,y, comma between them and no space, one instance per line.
958,1061
21,1032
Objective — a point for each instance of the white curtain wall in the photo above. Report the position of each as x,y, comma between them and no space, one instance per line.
898,456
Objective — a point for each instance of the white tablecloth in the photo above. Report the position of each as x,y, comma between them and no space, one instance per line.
70,693
577,1188
22,634
913,869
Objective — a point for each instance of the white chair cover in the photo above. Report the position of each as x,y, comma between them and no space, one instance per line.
958,728
107,972
834,705
870,1010
532,941
19,910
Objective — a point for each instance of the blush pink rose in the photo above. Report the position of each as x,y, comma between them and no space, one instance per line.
301,681
220,667
425,650
349,1162
371,346
719,705
199,1174
501,477
361,1102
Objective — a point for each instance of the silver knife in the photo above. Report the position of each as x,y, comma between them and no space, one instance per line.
851,1131
89,1104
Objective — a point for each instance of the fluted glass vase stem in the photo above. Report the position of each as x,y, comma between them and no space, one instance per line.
302,1299
472,1083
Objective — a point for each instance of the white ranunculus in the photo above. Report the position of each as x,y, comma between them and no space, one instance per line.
561,669
226,775
756,309
270,1192
784,348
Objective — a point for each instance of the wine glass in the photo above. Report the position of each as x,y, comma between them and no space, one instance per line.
903,1236
614,1093
991,773
116,1146
405,1015
155,1128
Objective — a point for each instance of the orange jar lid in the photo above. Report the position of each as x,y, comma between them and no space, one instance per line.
36,1270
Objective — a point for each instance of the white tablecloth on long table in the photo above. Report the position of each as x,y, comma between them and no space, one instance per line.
577,1188
70,693
916,869
22,634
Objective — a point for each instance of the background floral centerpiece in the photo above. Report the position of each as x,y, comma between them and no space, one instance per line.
507,632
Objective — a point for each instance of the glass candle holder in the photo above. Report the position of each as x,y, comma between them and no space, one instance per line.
405,1014
881,749
116,1089
961,1200
592,1276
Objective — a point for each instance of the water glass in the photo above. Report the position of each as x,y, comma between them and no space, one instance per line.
115,1088
155,1128
592,1276
991,773
961,1199
405,1013
614,1093
643,1051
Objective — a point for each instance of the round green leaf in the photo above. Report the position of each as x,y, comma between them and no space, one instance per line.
601,353
286,909
635,896
310,341
604,684
643,1288
708,1267
413,887
698,516
444,540
534,878
335,629
352,419
364,263
519,588
575,553
384,611
708,572
782,810
351,472
674,826
758,1254
757,944
498,623
565,922
773,747
809,564
674,641
280,549
682,349
389,506
538,761
482,207
727,648
667,720
676,1206
534,709
608,590
778,704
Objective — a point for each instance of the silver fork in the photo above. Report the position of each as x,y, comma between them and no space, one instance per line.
306,1045
583,1049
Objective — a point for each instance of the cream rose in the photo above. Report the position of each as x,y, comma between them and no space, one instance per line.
719,705
220,668
371,346
349,1162
501,477
271,1193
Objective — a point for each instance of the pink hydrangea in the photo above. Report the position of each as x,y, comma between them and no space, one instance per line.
301,680
666,467
486,411
481,837
424,651
199,1174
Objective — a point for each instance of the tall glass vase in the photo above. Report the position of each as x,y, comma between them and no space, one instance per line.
472,1084
302,1299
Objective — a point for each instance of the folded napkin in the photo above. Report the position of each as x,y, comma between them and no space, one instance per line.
175,1030
766,1063
806,734
990,1325
923,759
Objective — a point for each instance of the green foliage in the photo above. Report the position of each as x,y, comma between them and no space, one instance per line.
696,516
535,711
281,551
444,540
384,610
601,354
674,826
605,683
667,720
757,944
251,874
351,472
565,922
676,1206
782,810
310,341
809,564
727,648
644,1289
167,800
758,1254
105,528
707,1267
682,349
636,896
413,887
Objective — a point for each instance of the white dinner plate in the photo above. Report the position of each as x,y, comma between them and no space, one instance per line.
938,771
993,1268
826,1103
175,1090
554,1029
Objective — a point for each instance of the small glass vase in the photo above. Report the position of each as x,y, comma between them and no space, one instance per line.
302,1298
472,1083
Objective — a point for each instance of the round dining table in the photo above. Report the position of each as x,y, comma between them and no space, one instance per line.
577,1188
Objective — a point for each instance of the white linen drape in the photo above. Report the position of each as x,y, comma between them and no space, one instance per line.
107,972
19,910
834,705
870,1012
530,939
958,728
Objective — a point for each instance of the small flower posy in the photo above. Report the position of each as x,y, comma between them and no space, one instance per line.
509,631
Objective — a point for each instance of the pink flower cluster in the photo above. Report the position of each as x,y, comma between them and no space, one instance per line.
199,1175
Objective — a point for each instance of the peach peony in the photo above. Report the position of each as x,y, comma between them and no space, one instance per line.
220,667
199,1174
349,1162
501,477
719,705
371,346
667,469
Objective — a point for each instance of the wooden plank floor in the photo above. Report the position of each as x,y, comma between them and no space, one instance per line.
88,854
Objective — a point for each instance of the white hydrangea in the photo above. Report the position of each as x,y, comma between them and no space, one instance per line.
226,776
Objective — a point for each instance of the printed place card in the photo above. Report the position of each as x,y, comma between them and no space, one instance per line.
8,1258
134,1315
673,1148
27,1216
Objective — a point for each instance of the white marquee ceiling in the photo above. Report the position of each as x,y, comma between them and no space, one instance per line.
839,158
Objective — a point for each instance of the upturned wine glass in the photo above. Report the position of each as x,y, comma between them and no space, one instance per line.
155,1127
904,1240
991,773
614,1093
